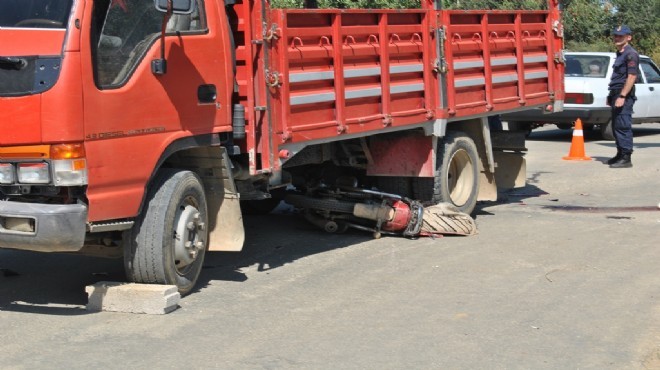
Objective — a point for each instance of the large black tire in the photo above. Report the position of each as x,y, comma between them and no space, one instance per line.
168,241
324,204
456,179
607,131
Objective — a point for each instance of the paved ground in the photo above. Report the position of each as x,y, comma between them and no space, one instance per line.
563,275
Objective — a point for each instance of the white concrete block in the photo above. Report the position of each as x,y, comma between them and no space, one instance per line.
132,298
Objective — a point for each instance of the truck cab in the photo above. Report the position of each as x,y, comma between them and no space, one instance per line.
86,122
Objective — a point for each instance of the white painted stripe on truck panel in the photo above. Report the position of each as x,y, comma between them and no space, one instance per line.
503,61
363,93
469,64
534,75
398,89
469,82
505,78
353,72
406,68
309,99
311,76
361,72
535,59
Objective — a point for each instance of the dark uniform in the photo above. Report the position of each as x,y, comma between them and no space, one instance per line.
626,63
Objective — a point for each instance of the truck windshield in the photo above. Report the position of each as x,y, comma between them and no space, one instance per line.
34,13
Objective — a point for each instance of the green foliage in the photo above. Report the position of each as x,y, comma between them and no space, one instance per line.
598,45
495,4
351,4
287,4
643,17
585,21
369,4
415,4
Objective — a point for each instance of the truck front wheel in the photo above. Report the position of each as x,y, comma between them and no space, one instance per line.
168,241
456,178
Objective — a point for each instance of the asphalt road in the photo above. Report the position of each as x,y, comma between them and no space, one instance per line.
562,275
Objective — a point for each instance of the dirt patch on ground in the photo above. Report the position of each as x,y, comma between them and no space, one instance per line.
650,347
652,359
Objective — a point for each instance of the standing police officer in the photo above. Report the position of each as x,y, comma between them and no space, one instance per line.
622,96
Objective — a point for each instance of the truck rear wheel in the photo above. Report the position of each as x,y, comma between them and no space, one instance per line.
456,179
168,241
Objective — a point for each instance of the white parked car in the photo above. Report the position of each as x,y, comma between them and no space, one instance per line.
586,79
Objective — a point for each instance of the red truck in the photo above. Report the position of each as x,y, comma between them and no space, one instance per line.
139,128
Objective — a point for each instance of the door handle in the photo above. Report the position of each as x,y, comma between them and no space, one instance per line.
651,88
206,94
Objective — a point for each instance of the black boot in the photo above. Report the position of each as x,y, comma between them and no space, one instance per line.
615,158
623,162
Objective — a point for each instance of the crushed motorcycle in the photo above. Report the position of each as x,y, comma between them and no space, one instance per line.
335,209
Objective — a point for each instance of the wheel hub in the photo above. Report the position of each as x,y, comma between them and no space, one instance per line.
188,240
460,178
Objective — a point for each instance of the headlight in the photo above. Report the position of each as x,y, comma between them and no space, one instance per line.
6,173
33,173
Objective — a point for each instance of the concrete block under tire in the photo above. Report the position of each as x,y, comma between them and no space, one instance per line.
132,298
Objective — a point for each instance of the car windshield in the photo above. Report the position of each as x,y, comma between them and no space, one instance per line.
34,13
587,65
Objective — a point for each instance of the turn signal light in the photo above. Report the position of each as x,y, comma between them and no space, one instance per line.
67,151
69,164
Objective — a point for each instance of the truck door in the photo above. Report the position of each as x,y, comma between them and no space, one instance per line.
649,90
132,114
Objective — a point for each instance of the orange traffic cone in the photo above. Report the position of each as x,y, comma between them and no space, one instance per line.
577,145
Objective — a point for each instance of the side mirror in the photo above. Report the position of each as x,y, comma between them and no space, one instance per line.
169,7
178,6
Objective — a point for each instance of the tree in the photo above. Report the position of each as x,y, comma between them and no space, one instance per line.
585,25
643,17
585,21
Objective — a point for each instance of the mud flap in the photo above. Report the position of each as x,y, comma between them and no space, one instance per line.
511,170
226,231
508,153
487,186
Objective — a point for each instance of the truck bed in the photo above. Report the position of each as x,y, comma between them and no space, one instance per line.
314,75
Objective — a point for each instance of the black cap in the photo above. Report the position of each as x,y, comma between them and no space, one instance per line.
622,30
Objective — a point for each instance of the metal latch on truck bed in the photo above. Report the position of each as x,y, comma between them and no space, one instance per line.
273,78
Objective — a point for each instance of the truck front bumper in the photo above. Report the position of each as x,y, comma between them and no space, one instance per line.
42,227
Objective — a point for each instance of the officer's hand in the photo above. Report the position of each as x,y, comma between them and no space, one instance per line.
619,102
